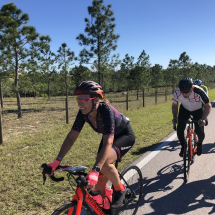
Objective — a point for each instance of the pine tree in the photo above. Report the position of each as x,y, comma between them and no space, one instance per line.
99,31
65,58
15,35
47,58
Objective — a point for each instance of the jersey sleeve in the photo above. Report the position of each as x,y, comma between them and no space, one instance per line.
203,96
108,117
79,122
176,96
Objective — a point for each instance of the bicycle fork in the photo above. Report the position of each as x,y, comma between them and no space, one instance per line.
191,148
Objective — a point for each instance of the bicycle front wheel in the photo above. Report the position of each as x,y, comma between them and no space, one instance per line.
186,160
64,209
133,176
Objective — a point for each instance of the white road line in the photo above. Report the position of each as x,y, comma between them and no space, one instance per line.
156,151
142,163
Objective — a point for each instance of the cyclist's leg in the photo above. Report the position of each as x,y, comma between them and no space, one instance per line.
121,145
197,115
182,116
107,167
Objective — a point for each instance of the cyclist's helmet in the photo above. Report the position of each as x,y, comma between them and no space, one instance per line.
197,82
185,84
89,87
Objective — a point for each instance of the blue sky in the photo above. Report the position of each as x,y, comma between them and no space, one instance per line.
163,28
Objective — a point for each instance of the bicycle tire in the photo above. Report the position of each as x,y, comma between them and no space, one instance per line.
194,145
63,210
186,160
134,178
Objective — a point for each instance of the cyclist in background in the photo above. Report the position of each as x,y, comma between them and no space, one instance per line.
118,137
199,83
191,97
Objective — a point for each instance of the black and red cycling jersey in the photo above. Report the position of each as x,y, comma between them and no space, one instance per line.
109,121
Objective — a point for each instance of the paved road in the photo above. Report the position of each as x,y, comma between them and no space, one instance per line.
164,191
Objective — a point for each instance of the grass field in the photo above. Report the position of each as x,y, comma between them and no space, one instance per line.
37,136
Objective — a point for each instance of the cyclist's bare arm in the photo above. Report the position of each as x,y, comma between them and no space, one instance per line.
67,144
103,154
175,112
206,111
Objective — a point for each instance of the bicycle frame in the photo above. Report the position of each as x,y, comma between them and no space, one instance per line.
82,196
88,199
189,136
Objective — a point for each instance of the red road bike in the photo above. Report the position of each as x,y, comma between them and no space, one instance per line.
83,203
190,146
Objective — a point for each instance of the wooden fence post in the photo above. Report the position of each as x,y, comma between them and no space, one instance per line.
143,99
156,95
165,94
127,101
1,134
67,115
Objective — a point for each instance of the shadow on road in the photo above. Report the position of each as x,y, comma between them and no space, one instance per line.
170,199
174,146
208,148
186,198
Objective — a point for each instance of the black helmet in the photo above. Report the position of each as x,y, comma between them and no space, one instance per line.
185,84
89,87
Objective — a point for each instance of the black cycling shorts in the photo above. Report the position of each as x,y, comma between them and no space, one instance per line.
123,142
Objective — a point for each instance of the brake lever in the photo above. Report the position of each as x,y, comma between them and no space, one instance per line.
44,177
46,170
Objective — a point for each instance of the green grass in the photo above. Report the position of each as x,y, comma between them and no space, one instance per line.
37,137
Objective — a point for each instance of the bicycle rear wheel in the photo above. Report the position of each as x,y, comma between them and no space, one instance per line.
133,176
186,160
64,209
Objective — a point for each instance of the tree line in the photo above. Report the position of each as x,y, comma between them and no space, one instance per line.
28,67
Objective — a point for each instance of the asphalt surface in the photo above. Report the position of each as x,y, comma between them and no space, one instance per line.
164,190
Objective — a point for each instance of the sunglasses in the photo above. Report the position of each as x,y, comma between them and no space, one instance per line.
82,100
185,92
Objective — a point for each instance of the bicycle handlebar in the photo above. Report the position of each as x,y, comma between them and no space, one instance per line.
189,121
48,169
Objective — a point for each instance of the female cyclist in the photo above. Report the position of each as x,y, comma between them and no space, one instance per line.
118,137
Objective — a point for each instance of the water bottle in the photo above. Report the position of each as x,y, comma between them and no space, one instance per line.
108,198
98,199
